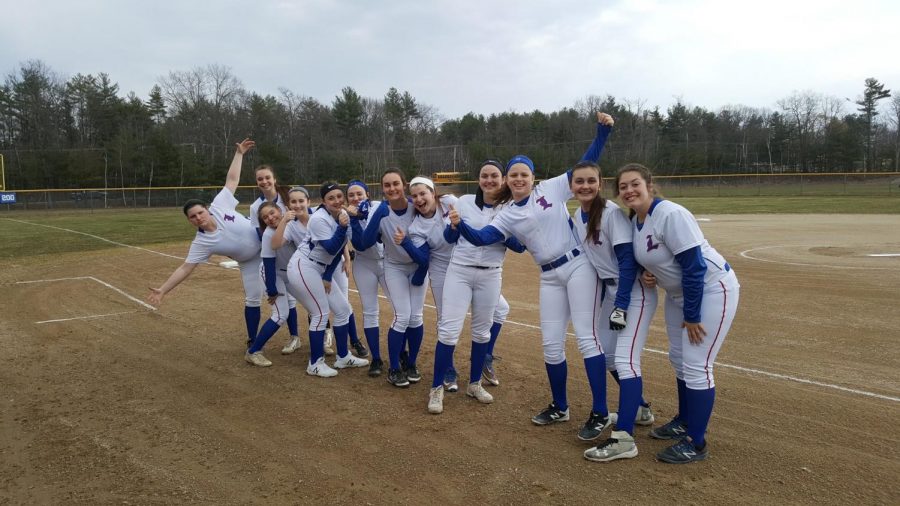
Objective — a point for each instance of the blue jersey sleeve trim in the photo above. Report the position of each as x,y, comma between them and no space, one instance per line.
480,236
627,273
693,272
269,269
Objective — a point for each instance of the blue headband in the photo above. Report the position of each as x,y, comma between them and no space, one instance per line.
357,182
520,159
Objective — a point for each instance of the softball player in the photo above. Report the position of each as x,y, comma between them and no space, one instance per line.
221,230
368,273
310,280
473,276
538,217
607,242
702,295
407,299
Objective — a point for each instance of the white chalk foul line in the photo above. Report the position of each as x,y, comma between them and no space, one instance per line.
731,366
90,278
89,317
728,366
746,254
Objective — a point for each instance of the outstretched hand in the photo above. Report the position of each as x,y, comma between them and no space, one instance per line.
245,145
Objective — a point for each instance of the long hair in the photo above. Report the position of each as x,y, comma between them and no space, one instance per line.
261,210
479,193
595,211
281,190
645,174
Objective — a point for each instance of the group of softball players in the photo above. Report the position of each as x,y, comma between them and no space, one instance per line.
600,269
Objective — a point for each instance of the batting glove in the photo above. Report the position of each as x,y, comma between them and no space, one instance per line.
617,319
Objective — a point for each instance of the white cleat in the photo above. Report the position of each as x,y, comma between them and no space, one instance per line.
477,391
320,369
436,400
257,359
349,360
292,346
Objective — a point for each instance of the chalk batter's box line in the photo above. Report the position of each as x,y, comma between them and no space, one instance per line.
89,278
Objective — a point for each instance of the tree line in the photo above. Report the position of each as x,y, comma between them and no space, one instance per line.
82,131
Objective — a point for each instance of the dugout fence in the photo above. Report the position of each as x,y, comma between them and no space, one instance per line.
723,185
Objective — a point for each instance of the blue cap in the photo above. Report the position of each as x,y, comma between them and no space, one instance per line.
357,182
520,159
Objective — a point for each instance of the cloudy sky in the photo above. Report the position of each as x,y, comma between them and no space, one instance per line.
483,56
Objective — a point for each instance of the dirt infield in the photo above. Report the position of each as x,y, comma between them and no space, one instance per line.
132,406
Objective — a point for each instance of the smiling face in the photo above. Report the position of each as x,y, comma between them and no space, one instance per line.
265,181
298,202
490,180
271,216
423,199
585,184
634,191
356,194
392,187
334,201
520,180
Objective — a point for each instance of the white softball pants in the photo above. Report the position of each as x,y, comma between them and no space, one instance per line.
466,285
306,285
569,291
630,341
285,301
693,363
407,299
253,287
368,273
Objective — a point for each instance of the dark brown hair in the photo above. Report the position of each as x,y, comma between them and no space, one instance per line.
595,212
259,212
281,190
645,174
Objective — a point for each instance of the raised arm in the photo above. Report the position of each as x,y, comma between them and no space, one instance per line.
605,123
234,171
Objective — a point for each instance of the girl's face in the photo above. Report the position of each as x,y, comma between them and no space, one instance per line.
265,180
392,187
198,216
272,216
334,201
634,191
490,179
585,184
298,202
356,194
423,199
520,180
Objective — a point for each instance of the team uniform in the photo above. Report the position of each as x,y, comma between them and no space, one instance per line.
368,273
700,287
312,265
407,298
235,238
609,249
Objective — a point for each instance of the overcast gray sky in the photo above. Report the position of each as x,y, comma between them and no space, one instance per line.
482,56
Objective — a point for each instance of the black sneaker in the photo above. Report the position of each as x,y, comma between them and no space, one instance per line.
375,367
595,425
361,350
397,377
675,429
683,452
412,374
551,414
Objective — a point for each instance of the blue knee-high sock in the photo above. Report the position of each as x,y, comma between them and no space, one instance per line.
372,340
451,367
414,336
557,374
268,330
443,353
292,322
251,317
615,375
629,398
682,401
595,367
316,345
395,345
495,331
340,338
699,410
352,332
479,352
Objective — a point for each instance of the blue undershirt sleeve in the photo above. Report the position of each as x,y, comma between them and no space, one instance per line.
418,254
365,239
259,232
627,273
596,148
480,236
336,242
269,267
514,244
451,235
329,271
693,271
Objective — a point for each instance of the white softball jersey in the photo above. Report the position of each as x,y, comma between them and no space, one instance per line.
614,229
322,227
466,253
234,236
431,230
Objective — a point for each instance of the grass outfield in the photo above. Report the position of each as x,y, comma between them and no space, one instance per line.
22,233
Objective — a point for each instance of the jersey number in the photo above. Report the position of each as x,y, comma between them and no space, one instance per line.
650,245
543,202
